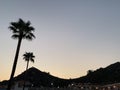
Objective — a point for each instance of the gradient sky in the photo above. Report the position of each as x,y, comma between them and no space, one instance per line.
72,36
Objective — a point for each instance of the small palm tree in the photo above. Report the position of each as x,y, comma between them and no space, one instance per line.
21,30
28,56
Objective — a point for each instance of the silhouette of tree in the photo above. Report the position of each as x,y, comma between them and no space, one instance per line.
89,72
21,30
28,56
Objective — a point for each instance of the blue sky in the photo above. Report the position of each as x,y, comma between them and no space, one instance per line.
72,36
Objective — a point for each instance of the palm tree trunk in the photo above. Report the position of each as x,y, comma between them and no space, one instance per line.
14,64
27,65
25,75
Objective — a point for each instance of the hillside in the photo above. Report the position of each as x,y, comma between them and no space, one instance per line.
109,74
39,78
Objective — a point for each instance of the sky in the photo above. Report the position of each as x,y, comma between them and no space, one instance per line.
72,36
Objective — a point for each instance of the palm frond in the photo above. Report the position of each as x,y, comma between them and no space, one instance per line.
32,35
28,37
32,60
15,36
28,23
20,21
31,28
13,29
14,24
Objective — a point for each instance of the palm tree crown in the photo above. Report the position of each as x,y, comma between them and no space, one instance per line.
22,29
28,56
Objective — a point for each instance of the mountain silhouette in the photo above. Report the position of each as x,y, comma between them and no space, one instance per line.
39,78
107,75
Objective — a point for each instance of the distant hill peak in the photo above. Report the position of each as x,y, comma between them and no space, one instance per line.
33,68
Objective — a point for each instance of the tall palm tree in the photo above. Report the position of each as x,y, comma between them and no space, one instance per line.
28,56
21,30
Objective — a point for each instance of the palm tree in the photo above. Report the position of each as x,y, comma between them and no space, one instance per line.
21,30
28,56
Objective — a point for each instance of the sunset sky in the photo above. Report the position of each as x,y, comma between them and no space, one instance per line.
72,36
